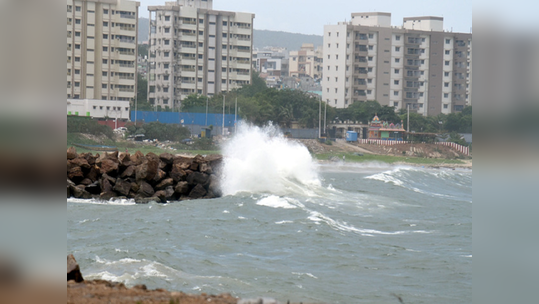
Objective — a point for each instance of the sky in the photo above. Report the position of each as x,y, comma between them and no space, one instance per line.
310,16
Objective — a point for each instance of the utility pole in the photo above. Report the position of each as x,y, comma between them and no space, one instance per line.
223,116
207,110
320,119
325,117
408,121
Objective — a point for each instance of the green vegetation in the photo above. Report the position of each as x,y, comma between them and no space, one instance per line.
386,159
290,41
159,131
87,125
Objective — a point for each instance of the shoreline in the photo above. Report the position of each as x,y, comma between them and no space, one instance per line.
467,164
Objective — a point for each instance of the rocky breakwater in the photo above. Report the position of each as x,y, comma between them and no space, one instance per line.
144,178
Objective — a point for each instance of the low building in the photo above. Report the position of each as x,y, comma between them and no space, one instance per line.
306,62
384,130
99,109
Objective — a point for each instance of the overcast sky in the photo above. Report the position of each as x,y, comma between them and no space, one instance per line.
310,16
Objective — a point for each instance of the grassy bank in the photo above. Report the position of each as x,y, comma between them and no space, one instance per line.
387,159
132,147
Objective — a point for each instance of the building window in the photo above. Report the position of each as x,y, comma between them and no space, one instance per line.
104,74
105,24
336,68
447,62
329,34
104,86
369,70
167,41
397,71
336,90
329,45
328,68
396,93
398,37
77,34
447,52
446,84
166,54
337,45
105,61
371,36
105,49
165,77
336,79
369,91
397,60
165,89
327,90
225,23
446,95
166,65
77,8
369,80
371,47
448,41
167,18
395,82
77,84
446,106
329,56
397,49
370,58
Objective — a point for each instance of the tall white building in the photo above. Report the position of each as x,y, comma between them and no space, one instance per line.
102,49
197,50
417,65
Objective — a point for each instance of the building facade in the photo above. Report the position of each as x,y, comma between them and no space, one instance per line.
102,49
197,50
417,65
306,62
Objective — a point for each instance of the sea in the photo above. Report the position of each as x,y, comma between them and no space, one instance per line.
292,229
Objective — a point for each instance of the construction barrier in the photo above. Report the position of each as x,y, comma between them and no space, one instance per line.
462,149
382,142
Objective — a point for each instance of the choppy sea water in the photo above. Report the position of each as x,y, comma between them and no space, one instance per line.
336,233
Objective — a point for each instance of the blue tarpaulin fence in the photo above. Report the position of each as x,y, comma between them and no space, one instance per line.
188,118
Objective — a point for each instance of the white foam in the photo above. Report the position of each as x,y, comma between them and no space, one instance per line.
274,201
115,202
284,222
262,160
305,274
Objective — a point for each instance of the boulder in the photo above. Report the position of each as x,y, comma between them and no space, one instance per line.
194,166
86,182
93,188
159,177
197,178
147,170
214,186
108,166
145,200
91,159
182,188
199,159
71,153
129,172
122,186
214,160
167,158
93,174
111,179
145,189
197,192
177,173
165,183
170,193
134,187
73,270
106,196
75,174
80,192
105,185
205,168
80,162
161,195
124,159
138,158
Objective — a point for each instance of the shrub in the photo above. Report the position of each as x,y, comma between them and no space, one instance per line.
87,125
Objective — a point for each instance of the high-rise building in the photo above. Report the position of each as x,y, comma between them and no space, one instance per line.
102,49
197,50
417,65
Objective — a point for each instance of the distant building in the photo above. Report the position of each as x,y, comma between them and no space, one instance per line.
271,64
306,62
197,50
417,65
102,49
99,109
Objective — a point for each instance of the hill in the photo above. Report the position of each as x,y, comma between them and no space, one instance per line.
143,28
290,41
262,38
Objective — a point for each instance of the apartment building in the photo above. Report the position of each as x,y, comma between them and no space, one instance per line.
306,62
197,50
102,49
416,65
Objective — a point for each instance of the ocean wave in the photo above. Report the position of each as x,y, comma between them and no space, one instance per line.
274,201
115,202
